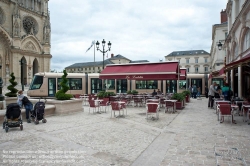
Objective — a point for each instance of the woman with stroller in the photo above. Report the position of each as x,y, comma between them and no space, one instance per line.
23,100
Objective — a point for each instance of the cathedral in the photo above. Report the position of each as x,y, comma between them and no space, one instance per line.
25,37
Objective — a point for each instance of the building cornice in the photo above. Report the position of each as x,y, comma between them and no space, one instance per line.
29,53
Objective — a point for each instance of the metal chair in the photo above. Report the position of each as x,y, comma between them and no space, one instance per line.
152,108
225,110
169,105
115,106
104,103
92,104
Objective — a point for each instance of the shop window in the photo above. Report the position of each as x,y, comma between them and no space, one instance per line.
246,44
110,84
146,84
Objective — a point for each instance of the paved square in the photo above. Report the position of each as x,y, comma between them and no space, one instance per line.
192,136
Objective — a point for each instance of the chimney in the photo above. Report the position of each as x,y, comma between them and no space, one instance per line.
223,16
112,55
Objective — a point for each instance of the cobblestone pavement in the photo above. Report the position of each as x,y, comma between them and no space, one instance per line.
192,136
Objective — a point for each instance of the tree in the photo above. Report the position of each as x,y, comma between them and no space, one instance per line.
13,90
61,94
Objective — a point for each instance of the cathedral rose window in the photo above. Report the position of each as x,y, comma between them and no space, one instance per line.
30,25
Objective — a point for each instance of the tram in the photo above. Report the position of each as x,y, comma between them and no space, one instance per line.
47,84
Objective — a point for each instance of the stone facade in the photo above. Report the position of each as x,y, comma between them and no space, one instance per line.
195,61
237,47
25,35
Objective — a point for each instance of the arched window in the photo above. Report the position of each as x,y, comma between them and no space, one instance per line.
246,43
236,50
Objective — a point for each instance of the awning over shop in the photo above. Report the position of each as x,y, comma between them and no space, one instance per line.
244,60
217,73
183,74
142,71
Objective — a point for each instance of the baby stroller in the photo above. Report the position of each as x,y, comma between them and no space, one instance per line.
38,113
13,117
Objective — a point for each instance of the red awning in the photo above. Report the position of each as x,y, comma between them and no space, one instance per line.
245,59
183,75
141,71
221,71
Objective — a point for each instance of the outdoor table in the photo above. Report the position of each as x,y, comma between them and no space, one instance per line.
98,102
141,102
216,100
84,99
245,118
174,101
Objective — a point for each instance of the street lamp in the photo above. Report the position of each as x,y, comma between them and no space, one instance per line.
1,86
103,50
22,62
219,45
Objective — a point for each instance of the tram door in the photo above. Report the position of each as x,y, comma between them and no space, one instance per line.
52,87
197,82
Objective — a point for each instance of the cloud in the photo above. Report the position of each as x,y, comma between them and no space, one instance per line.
147,30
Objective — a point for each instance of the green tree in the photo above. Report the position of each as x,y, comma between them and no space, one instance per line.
11,87
61,94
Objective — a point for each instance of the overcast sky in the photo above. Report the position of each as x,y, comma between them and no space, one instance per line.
138,30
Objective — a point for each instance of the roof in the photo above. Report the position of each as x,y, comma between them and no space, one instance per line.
119,57
188,52
139,61
87,64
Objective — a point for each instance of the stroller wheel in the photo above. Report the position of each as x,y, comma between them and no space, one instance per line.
21,127
4,125
36,122
6,129
44,120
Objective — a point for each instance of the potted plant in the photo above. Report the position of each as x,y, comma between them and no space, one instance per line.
61,94
11,87
179,97
134,92
101,94
187,95
129,92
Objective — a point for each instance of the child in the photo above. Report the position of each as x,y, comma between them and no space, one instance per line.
23,100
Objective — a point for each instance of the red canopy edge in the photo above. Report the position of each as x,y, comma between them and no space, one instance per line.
141,71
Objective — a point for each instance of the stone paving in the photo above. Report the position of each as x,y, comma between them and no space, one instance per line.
192,136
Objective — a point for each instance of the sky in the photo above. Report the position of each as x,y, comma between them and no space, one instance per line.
138,30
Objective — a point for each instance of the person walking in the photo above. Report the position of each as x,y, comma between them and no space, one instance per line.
199,92
195,91
211,94
24,101
206,91
226,92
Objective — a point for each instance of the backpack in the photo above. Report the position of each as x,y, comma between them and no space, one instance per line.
25,100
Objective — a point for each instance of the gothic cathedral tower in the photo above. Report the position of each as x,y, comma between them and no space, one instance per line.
25,36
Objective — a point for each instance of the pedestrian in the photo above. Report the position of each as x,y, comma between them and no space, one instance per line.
159,92
206,91
24,101
198,92
190,89
194,91
218,89
226,92
211,94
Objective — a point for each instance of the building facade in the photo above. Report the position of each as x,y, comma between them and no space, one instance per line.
195,61
218,54
25,37
237,47
97,67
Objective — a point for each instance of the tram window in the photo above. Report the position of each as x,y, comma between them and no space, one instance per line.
37,82
75,83
58,83
147,84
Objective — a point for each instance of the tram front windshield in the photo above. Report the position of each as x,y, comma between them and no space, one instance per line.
36,82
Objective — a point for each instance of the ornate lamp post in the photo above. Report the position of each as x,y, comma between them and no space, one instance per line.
22,62
1,86
103,50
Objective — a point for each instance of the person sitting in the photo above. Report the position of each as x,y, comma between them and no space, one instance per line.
159,92
154,93
23,100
